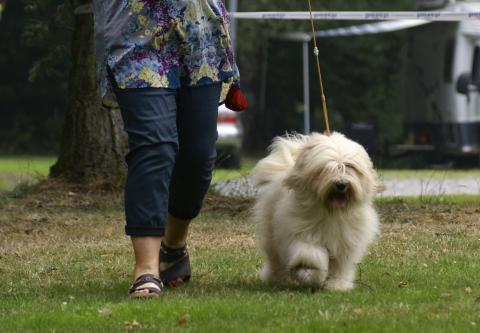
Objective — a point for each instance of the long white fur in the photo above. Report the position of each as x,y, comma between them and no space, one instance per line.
303,237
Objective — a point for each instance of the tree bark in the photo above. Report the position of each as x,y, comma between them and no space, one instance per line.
93,143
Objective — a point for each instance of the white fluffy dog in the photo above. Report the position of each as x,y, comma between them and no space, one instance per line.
314,214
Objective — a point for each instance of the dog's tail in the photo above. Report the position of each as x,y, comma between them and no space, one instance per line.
283,153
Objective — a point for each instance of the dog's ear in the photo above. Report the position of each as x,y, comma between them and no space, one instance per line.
295,179
378,186
303,173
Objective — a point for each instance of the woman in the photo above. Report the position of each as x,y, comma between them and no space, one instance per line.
166,62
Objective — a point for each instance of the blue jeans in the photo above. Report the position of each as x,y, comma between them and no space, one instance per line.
171,137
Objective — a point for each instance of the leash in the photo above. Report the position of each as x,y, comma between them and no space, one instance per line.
319,72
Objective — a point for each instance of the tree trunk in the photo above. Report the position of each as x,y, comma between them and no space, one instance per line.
93,143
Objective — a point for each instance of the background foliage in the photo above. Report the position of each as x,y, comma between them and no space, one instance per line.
361,73
34,62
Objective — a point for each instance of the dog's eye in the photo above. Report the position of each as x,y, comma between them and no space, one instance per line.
352,167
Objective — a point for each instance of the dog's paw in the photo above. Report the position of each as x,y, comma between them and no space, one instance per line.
266,273
309,276
336,284
272,274
308,264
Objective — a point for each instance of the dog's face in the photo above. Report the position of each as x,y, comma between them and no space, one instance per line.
334,171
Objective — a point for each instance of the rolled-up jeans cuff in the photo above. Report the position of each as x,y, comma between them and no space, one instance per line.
144,231
187,216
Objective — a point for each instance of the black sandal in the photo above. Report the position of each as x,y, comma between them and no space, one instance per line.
135,289
179,272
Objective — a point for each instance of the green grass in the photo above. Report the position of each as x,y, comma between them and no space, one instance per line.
33,165
40,165
220,174
65,267
18,170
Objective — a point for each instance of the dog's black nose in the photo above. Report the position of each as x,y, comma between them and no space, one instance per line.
340,186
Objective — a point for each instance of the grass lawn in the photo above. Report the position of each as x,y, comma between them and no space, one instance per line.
220,174
26,164
38,166
20,169
65,266
16,170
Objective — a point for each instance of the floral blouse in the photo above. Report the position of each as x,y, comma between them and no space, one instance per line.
163,43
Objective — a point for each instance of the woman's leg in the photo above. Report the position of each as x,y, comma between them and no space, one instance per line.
176,232
146,251
197,134
150,120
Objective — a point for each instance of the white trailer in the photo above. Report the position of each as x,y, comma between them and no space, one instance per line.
441,86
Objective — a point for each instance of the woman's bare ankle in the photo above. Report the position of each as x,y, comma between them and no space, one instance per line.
176,244
176,232
146,255
145,269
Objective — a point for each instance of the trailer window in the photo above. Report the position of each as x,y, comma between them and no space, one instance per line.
449,56
476,66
